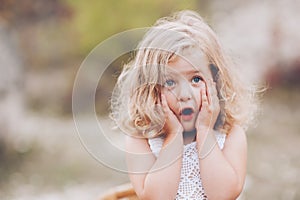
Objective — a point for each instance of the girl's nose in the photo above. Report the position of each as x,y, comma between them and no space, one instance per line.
184,93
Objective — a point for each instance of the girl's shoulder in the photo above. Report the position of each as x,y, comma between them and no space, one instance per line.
236,139
237,134
136,145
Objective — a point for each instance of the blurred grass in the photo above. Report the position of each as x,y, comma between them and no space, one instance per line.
273,156
273,146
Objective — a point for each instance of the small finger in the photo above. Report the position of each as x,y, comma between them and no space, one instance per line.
163,100
214,87
213,90
215,93
209,91
164,103
204,97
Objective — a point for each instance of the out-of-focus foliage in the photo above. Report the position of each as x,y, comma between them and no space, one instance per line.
43,43
97,20
20,13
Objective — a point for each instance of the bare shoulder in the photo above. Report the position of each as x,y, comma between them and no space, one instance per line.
137,145
236,137
139,159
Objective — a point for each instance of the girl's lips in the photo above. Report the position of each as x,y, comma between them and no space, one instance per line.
187,117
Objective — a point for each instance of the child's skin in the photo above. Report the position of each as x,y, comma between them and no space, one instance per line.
189,84
185,87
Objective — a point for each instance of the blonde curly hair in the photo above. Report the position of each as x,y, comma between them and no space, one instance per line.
136,96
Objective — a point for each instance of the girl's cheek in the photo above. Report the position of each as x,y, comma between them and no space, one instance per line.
170,97
202,84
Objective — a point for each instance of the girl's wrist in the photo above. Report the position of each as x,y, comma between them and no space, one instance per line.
206,142
171,136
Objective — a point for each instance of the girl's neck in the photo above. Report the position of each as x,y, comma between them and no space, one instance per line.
189,136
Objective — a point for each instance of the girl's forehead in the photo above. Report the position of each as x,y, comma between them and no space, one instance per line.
191,62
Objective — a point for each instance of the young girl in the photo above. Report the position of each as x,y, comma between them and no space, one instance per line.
184,111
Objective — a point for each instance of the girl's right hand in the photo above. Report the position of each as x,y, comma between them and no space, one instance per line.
210,107
172,125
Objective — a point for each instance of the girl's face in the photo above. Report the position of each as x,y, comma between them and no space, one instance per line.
185,77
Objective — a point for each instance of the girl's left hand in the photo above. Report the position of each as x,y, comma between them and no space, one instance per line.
210,107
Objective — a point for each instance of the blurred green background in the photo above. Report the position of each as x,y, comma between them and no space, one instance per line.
43,43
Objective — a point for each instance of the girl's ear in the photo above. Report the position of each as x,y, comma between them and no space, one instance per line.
214,71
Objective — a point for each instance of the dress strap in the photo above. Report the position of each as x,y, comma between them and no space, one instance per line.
220,137
156,143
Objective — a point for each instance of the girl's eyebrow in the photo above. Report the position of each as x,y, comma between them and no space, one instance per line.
192,72
184,72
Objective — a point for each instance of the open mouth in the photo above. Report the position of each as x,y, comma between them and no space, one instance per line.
187,111
187,114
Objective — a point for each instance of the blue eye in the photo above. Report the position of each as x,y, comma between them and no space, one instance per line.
196,79
169,83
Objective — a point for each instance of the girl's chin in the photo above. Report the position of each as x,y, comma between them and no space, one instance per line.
188,127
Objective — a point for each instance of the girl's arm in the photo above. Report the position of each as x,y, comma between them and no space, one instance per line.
158,178
154,178
222,172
